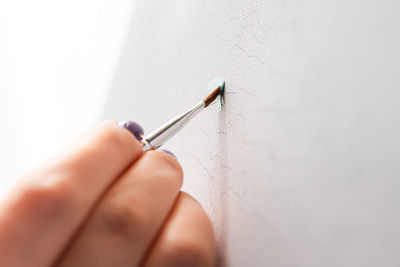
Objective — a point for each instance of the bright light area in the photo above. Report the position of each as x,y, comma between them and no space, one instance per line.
57,62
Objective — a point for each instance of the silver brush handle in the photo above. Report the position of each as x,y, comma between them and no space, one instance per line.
162,134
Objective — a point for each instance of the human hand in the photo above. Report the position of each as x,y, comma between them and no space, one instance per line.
105,203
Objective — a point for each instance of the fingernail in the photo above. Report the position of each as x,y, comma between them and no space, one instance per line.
134,128
167,151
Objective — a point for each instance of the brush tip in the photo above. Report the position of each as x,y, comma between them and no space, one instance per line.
216,88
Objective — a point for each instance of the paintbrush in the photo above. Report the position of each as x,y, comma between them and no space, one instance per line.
162,134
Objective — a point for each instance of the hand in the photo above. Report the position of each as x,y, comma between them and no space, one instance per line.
105,203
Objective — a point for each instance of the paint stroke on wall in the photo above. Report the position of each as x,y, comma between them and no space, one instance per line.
300,166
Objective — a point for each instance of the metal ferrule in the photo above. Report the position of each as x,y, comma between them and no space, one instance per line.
162,134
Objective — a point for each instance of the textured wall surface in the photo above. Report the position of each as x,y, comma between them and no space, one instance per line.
301,167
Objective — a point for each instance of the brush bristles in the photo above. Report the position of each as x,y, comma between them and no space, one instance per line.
211,97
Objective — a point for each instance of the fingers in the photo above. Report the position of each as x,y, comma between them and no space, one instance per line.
47,207
129,216
187,238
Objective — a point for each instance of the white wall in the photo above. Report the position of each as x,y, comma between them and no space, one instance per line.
301,168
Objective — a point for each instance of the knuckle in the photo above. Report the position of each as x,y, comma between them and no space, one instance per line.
45,201
124,221
187,252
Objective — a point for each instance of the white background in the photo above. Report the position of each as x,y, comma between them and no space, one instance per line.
57,61
301,168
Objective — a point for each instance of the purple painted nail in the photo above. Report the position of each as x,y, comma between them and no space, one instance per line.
167,151
134,128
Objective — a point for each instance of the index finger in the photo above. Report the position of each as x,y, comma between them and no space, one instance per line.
50,203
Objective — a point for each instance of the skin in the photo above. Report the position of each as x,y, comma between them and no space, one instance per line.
105,203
